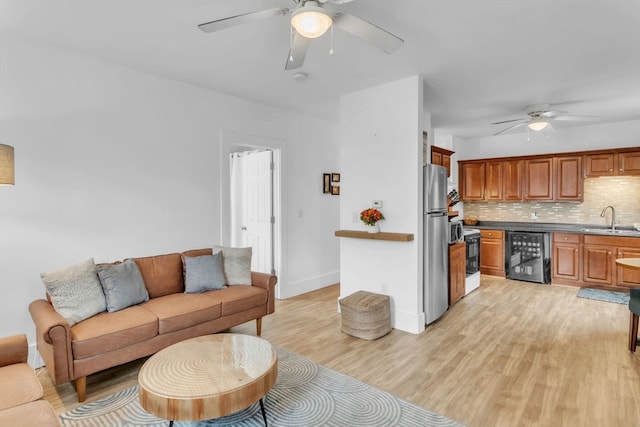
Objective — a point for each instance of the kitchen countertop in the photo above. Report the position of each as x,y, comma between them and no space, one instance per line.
620,231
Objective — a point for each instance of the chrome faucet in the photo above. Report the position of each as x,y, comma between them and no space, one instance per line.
613,216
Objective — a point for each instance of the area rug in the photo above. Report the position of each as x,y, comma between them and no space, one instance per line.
305,394
601,295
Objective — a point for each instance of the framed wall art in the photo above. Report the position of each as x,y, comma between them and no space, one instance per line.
326,183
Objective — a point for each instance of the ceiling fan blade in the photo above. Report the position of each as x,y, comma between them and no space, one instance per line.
549,114
367,31
298,51
577,118
509,128
232,21
509,121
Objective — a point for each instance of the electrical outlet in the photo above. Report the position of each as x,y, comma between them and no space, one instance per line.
385,288
376,204
534,215
355,217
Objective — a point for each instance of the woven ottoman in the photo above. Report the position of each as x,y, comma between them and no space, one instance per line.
366,315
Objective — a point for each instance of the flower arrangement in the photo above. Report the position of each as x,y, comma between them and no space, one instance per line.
371,216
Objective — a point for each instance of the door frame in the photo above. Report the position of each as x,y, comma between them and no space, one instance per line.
231,141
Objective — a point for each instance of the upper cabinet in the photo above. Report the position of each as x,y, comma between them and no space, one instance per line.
544,178
512,180
538,179
629,163
613,163
569,182
441,157
471,181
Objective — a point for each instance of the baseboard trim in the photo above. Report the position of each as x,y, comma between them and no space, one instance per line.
310,284
34,359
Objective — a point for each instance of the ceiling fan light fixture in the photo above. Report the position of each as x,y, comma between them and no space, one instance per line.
311,21
538,125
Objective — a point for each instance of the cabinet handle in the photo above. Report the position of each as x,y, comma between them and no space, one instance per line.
576,250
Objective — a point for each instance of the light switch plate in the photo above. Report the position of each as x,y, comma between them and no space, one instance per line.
376,204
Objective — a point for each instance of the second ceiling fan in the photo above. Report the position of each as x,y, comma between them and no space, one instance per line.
540,117
309,20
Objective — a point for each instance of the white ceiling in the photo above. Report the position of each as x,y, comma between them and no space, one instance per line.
481,60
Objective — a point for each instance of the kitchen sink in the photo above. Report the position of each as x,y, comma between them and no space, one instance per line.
612,232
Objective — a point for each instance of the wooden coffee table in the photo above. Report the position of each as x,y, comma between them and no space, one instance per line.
208,377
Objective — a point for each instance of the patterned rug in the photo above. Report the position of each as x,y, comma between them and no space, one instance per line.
305,394
600,295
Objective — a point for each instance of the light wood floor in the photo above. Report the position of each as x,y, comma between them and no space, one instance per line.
508,354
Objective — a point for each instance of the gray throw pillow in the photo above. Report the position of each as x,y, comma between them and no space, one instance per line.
75,291
122,284
237,265
203,273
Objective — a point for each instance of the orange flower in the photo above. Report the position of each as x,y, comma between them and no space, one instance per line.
371,216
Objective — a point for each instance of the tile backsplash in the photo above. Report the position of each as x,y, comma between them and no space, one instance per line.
623,193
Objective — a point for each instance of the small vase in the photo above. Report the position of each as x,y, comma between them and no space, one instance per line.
375,228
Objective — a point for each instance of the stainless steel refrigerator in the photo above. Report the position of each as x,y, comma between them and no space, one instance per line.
436,253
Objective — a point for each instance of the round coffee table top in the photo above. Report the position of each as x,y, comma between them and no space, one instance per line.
207,377
632,263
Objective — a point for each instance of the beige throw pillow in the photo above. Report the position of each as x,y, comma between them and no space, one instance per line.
237,265
75,291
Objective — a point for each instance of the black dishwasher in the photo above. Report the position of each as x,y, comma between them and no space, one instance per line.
528,256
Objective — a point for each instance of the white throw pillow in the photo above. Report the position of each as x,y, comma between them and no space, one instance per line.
237,265
75,291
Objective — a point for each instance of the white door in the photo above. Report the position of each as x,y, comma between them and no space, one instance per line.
252,220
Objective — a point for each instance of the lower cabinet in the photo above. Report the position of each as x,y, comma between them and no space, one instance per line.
590,260
566,258
457,271
492,252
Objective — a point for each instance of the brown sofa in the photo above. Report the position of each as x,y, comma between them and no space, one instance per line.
21,402
112,338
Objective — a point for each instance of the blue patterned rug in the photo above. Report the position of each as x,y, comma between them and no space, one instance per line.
600,295
305,394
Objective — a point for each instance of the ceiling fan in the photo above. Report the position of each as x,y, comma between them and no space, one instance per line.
311,19
540,117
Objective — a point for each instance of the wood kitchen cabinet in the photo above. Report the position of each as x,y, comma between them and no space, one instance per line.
493,183
471,181
492,252
601,164
566,258
457,272
512,180
441,157
612,164
569,181
538,179
598,264
629,163
626,276
599,260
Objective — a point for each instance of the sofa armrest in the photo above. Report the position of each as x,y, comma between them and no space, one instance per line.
268,282
53,338
13,350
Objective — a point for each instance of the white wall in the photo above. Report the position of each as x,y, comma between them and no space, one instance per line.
381,150
592,137
114,163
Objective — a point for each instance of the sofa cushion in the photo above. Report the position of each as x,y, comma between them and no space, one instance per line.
180,311
19,385
39,413
162,274
239,298
237,265
203,273
111,331
75,291
122,285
